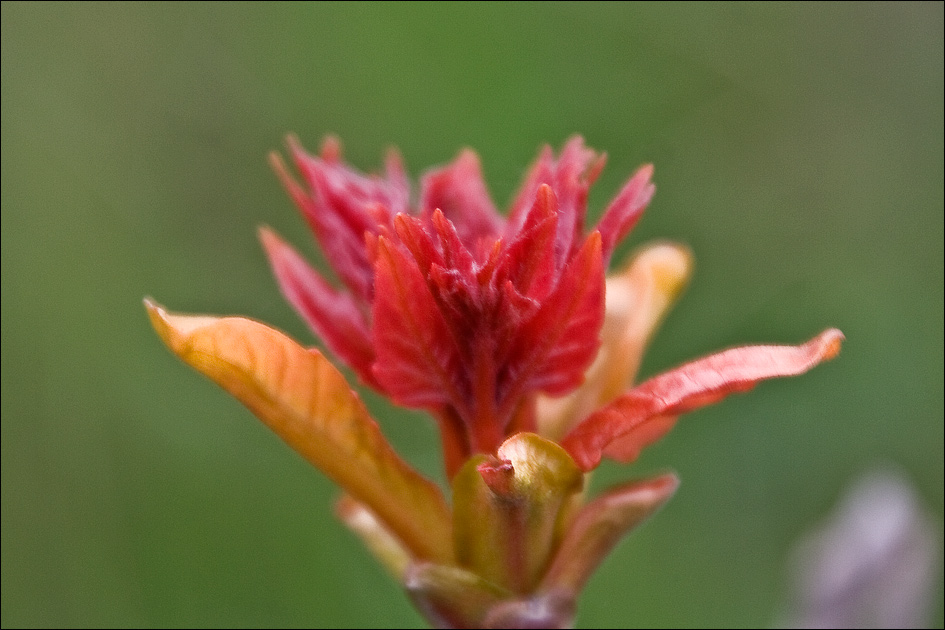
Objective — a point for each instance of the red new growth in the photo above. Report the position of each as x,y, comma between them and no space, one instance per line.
449,306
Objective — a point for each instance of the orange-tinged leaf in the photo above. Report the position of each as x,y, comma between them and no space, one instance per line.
308,403
599,526
689,387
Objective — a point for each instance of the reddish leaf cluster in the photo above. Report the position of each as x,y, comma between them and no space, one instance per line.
449,306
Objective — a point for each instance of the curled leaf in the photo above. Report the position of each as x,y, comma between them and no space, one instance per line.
308,403
688,387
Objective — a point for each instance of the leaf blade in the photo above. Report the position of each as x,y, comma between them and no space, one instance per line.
300,396
688,387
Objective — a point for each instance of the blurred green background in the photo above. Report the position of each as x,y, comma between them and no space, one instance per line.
798,151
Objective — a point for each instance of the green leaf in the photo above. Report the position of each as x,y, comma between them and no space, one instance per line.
505,509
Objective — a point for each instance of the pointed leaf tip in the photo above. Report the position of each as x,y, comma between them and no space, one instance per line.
174,329
829,342
626,209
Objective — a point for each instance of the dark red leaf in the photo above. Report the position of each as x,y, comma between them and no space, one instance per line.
688,387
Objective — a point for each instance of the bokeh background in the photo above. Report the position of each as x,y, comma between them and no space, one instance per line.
798,151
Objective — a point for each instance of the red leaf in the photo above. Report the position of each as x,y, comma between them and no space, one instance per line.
342,245
455,253
528,261
417,358
343,204
448,267
575,169
688,387
540,172
628,446
333,315
418,241
626,209
569,177
458,190
554,348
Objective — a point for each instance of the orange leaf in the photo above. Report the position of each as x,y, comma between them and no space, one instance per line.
308,403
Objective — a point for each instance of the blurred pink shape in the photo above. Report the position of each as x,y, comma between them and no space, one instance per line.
872,564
